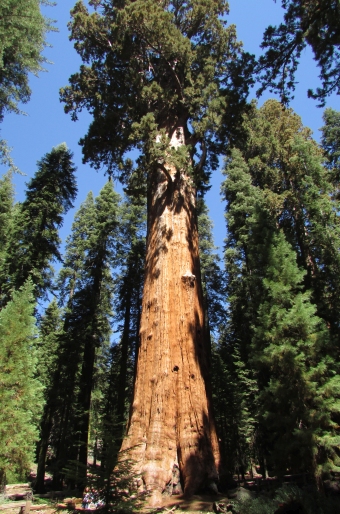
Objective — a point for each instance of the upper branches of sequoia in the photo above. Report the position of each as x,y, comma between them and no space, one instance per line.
151,67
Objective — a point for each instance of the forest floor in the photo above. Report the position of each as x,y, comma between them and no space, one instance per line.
248,493
197,503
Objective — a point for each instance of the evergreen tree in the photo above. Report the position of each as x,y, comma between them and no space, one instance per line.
287,165
314,23
160,74
330,142
22,40
50,328
235,392
299,387
60,396
212,275
34,239
20,390
87,279
129,284
273,323
6,213
235,385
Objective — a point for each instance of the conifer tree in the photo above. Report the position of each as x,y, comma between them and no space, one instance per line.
157,77
34,240
330,142
60,396
129,283
235,381
314,23
299,389
87,280
20,390
6,214
50,327
22,40
287,164
273,321
212,276
95,300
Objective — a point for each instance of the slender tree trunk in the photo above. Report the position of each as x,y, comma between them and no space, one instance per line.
45,431
122,378
82,423
171,419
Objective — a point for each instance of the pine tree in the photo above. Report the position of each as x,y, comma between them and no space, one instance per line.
6,214
299,389
129,283
212,276
272,321
22,40
235,392
50,327
20,390
287,164
235,380
87,278
56,421
330,142
173,65
312,23
95,299
34,240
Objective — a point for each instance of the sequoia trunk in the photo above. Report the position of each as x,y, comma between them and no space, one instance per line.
171,420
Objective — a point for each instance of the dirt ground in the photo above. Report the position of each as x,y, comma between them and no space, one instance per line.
197,503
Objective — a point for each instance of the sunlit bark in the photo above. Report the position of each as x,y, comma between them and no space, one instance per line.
171,420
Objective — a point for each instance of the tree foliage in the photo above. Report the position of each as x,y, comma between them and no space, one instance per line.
22,39
314,23
33,241
87,289
20,390
279,210
147,67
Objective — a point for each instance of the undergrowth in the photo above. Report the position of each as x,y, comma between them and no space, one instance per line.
308,500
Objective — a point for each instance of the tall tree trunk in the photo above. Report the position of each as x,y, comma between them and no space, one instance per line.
122,377
171,419
82,423
45,431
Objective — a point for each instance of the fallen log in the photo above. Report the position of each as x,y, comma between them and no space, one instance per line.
12,505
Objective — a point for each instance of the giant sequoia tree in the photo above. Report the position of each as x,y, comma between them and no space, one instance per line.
157,77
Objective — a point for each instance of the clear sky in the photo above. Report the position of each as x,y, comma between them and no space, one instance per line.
46,125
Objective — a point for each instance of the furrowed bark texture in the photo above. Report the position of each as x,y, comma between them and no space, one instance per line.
171,420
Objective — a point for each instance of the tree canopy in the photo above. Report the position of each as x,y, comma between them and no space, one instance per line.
314,23
148,66
22,40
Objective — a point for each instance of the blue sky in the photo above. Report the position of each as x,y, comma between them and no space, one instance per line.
46,125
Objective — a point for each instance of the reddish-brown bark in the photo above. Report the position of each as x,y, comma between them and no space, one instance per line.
171,419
